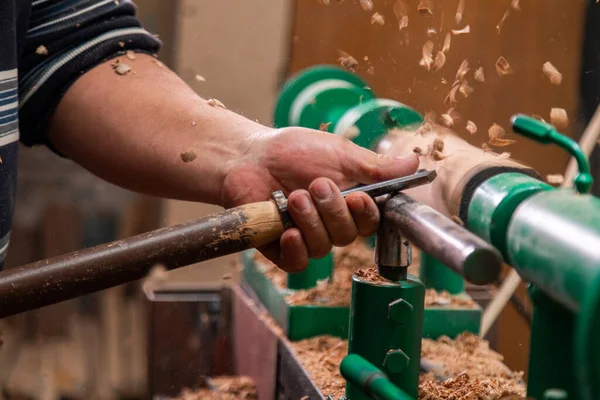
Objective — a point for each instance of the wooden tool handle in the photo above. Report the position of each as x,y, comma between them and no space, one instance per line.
86,271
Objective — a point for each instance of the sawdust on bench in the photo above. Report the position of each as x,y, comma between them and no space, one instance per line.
433,298
474,371
223,388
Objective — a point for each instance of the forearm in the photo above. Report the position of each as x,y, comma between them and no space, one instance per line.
132,130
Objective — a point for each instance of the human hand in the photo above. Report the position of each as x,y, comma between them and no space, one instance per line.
292,159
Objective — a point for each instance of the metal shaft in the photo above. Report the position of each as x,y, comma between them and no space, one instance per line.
450,243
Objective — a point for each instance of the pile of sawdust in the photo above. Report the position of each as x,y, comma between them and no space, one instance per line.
472,369
321,357
223,388
372,276
433,298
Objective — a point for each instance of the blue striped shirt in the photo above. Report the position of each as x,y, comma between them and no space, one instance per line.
45,45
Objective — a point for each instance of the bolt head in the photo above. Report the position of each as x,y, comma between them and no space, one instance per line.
400,311
396,361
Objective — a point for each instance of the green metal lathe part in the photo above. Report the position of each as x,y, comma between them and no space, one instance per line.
386,323
317,270
369,380
436,275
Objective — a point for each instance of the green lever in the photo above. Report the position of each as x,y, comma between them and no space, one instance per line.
370,380
545,133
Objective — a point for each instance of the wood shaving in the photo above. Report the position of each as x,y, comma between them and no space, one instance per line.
437,156
188,156
347,61
450,99
503,67
42,50
447,42
425,8
478,75
324,126
463,69
377,19
193,123
459,11
215,103
431,32
424,128
372,276
351,132
222,388
447,120
200,78
471,127
121,44
496,132
371,70
434,298
325,2
552,73
501,23
0,160
559,118
401,13
438,144
501,142
440,60
427,59
515,5
465,89
460,222
122,69
485,147
157,62
227,276
555,179
466,29
504,155
538,117
366,5
418,151
130,54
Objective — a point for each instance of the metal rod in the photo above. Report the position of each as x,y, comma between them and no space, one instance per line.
421,177
445,240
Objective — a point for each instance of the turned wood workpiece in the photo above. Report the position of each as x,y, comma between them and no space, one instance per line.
456,164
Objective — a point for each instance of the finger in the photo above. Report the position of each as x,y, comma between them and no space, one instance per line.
308,221
294,254
272,252
364,166
365,213
334,211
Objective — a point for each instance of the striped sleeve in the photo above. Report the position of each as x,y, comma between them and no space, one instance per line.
65,39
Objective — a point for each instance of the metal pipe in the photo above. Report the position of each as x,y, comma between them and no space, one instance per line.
447,241
393,253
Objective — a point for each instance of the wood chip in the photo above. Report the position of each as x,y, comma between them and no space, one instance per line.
504,155
377,19
447,42
157,62
122,69
0,160
515,5
193,123
438,144
425,8
347,61
437,156
463,69
227,276
371,70
555,179
503,67
552,73
324,126
450,99
42,50
501,142
501,23
200,78
559,118
424,128
459,11
215,103
479,76
351,132
427,59
130,54
471,127
496,132
188,156
465,89
466,29
121,44
440,60
431,32
447,120
401,13
485,147
366,5
417,150
457,219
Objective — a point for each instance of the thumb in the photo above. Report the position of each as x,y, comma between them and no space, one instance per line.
365,166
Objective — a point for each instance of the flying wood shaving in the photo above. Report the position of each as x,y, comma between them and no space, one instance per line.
351,132
200,78
427,59
417,150
440,60
501,23
377,19
425,8
371,70
324,126
130,54
401,13
515,5
552,73
504,155
466,29
501,142
559,118
485,147
471,127
437,156
555,179
503,67
160,64
366,5
496,132
122,69
447,120
193,123
538,117
459,11
424,128
457,219
431,32
462,70
215,103
479,77
465,89
450,99
188,156
438,144
447,42
42,50
347,61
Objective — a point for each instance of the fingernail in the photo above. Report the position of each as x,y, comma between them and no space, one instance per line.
301,203
322,190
